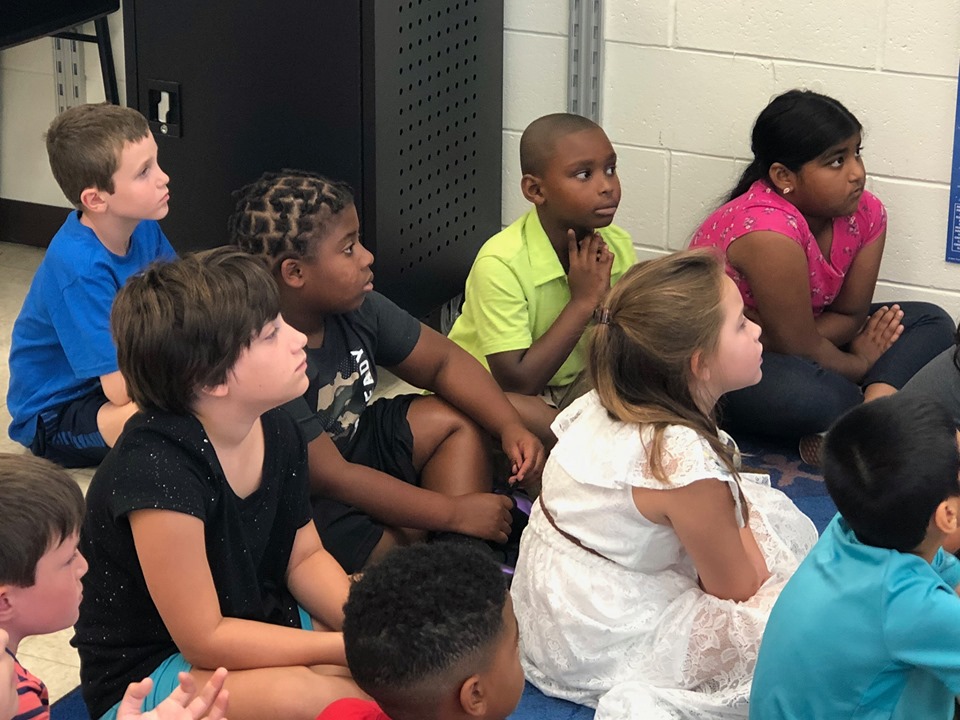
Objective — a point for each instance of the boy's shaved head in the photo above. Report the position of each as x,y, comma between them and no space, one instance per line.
539,139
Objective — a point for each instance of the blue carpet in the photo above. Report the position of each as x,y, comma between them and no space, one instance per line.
69,707
801,482
534,705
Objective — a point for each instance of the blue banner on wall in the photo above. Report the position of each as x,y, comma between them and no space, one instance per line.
953,222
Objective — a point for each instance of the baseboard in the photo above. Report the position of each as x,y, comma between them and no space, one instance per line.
29,223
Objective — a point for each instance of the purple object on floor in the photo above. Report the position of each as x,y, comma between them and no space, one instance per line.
523,503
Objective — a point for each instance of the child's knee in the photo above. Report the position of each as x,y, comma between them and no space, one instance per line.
303,693
435,417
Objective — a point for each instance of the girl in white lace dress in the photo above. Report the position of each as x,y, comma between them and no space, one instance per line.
650,564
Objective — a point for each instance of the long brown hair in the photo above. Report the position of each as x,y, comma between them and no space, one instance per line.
658,315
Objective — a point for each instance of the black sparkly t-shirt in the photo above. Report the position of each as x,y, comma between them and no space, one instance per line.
166,462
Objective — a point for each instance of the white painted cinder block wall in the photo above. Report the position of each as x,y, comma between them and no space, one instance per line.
28,105
684,80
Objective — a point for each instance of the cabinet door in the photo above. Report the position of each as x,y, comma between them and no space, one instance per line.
251,86
434,159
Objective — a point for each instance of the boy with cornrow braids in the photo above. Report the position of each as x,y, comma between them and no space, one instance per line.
387,473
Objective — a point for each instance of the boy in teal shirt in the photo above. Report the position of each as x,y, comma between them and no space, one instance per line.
534,286
869,626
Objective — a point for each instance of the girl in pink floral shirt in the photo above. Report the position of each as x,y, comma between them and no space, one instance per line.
803,240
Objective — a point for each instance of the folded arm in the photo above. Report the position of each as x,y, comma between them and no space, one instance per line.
441,366
171,550
776,269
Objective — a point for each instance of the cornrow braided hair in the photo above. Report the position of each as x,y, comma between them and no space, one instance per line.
283,214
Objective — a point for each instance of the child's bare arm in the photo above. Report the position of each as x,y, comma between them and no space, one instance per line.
440,365
776,268
399,504
115,388
315,579
704,517
528,371
170,548
114,414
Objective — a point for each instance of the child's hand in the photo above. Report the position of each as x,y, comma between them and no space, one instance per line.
482,515
525,452
880,332
590,264
211,702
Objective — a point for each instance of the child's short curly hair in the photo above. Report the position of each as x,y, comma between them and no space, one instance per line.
283,214
40,507
420,613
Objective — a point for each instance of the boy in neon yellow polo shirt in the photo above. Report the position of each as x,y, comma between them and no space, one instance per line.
534,286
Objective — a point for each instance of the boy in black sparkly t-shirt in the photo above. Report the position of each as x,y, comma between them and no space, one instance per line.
198,533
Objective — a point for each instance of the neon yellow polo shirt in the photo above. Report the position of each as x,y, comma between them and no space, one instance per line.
517,288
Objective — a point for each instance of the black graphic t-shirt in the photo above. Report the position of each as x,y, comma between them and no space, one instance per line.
343,371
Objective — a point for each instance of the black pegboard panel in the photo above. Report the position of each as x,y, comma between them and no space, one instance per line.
438,142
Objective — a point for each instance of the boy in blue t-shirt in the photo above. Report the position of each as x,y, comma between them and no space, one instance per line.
67,399
869,625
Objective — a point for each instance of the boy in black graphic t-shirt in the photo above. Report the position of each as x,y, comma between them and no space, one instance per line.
388,472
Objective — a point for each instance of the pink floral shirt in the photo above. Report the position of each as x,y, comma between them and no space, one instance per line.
761,209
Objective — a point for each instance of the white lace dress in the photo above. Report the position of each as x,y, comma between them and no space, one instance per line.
623,626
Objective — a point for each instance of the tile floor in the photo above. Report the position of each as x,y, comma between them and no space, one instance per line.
50,657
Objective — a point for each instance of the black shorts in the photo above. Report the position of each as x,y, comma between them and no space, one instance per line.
383,441
69,435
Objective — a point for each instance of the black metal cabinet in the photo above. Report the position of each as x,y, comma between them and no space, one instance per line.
401,99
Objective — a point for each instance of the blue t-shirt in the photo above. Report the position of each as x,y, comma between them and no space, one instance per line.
61,340
861,632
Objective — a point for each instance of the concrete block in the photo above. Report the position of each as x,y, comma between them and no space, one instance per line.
645,253
916,234
514,204
922,37
26,111
688,101
891,292
645,22
35,56
534,77
698,185
538,16
908,120
825,31
643,204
